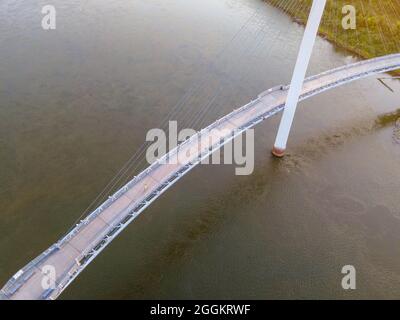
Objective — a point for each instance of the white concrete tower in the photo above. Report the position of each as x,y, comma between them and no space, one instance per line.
299,74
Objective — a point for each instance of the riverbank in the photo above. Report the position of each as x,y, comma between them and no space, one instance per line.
378,25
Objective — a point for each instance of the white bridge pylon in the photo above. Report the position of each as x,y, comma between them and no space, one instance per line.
299,74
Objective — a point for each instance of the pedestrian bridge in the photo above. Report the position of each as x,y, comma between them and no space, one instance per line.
71,254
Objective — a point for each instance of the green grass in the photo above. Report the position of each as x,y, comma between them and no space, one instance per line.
378,24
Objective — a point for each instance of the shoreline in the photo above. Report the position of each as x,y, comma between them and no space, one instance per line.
328,35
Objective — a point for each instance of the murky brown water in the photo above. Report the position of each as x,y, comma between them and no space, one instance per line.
75,103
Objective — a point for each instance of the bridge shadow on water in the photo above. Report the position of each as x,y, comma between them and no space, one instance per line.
317,147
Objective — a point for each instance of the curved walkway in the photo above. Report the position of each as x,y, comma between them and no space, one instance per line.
71,254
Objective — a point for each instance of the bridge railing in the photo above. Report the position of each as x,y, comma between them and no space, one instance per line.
26,272
152,167
347,80
163,159
141,204
102,241
356,64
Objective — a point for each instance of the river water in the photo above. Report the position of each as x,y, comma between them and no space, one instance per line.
76,102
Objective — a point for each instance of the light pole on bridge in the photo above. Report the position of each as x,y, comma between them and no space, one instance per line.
299,74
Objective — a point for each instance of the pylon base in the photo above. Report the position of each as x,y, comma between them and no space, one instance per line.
279,153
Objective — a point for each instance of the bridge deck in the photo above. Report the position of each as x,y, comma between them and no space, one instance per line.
71,254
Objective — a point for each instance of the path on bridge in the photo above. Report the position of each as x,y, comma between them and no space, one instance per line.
71,254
